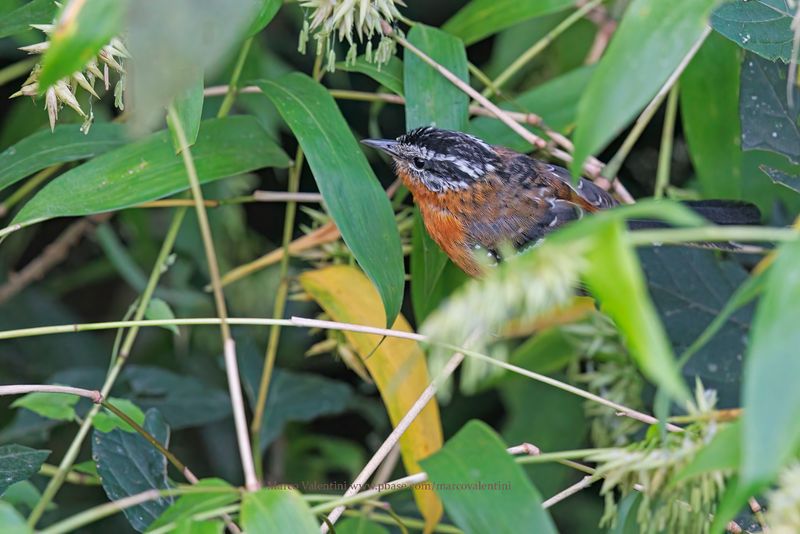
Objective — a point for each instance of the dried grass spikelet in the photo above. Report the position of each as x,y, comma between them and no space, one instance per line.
350,20
64,91
650,466
783,515
523,288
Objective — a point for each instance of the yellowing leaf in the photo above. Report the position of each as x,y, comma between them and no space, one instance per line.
398,366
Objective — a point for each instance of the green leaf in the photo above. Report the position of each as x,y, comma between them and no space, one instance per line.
761,26
692,289
650,43
189,109
267,9
722,453
83,28
159,310
352,193
65,143
183,400
779,177
166,58
19,463
710,117
196,503
768,121
58,406
23,496
615,277
128,464
11,522
771,399
360,525
20,20
482,18
292,396
431,99
106,421
482,488
389,75
625,521
149,169
192,526
556,101
545,352
273,510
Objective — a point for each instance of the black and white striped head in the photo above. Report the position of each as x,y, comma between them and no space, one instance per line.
442,160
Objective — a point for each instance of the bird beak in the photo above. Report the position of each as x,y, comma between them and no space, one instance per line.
387,145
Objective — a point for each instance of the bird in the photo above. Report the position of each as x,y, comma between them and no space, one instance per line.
476,198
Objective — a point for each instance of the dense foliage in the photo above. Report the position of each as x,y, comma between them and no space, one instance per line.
216,306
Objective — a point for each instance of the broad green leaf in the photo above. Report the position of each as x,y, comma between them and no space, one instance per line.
267,9
693,289
273,510
106,421
20,20
779,177
482,18
722,453
189,109
149,169
195,503
483,489
167,57
555,101
389,75
615,277
768,121
761,26
128,464
183,400
19,463
58,406
82,29
11,522
730,503
396,365
352,193
360,525
432,100
159,310
710,117
771,421
650,43
193,526
292,396
65,143
24,495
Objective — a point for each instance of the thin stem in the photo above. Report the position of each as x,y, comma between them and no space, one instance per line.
74,448
538,47
17,70
583,483
712,234
394,437
410,522
91,394
257,196
229,346
278,309
73,477
613,166
230,95
665,152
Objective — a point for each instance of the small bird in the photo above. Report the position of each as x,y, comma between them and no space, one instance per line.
475,197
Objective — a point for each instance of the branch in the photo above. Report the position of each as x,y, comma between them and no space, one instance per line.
91,394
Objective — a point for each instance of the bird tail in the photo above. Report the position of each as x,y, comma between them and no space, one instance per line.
715,211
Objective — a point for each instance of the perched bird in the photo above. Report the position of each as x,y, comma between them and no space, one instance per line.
474,197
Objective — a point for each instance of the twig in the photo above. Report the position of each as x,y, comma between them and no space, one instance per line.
73,477
229,346
53,254
93,395
755,507
394,436
585,482
74,448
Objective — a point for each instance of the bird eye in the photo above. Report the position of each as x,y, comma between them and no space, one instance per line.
418,163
